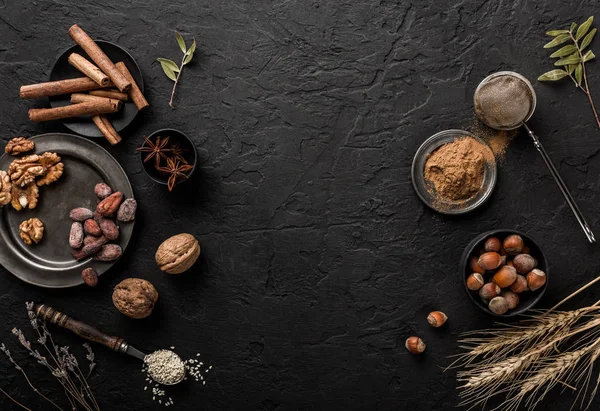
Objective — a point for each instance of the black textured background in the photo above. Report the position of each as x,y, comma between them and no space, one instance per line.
318,258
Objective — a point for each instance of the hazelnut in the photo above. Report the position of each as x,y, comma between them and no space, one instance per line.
510,263
536,279
415,345
498,305
490,260
505,276
135,297
489,291
475,281
436,318
474,265
524,263
520,284
511,298
513,244
492,244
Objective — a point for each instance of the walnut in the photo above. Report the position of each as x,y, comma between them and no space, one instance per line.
31,231
53,168
5,188
135,297
19,145
24,197
23,171
178,253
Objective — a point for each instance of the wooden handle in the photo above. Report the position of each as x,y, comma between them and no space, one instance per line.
81,329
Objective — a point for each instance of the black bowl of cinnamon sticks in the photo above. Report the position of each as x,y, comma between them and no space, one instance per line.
168,157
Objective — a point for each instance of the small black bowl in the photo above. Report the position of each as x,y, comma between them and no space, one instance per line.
175,137
527,299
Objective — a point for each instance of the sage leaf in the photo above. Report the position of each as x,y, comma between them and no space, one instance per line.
553,75
573,27
555,33
190,53
572,59
181,42
587,39
579,74
558,40
588,56
584,28
167,66
564,51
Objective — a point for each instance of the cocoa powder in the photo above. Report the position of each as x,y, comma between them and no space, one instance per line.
455,170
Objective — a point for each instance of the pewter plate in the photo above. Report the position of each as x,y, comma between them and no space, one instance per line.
50,264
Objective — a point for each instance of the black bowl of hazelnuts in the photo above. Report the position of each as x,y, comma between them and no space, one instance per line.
505,272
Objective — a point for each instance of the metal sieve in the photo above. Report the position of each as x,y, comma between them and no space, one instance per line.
505,101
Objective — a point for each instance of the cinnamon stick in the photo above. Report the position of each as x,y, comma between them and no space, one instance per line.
77,98
117,95
135,92
97,55
103,123
55,88
75,110
82,64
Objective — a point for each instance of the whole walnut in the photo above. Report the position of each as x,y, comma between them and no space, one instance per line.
135,297
178,253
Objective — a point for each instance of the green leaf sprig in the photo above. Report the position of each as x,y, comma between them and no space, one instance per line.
171,69
572,57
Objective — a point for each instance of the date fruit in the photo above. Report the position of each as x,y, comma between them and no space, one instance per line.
127,211
102,190
91,227
110,204
80,214
109,229
108,252
90,277
76,235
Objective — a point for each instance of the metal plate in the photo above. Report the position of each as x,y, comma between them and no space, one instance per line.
63,70
49,263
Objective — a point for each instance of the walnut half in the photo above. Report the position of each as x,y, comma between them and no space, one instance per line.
5,188
24,197
24,171
31,231
53,168
19,145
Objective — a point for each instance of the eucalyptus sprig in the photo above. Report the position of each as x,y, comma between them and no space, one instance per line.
572,57
171,69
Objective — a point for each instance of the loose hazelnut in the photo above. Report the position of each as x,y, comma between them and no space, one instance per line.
436,318
524,263
498,305
493,244
512,298
490,260
536,279
505,276
415,345
489,291
520,285
475,281
513,244
474,265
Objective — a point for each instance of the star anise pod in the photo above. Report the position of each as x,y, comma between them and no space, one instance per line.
177,153
156,150
176,171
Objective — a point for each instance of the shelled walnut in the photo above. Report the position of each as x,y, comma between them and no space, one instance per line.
5,188
31,231
19,145
24,197
24,171
53,168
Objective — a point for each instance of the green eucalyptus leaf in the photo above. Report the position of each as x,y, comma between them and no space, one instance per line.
588,39
190,53
572,59
558,40
579,74
588,56
168,68
555,33
564,51
584,28
181,42
573,27
553,75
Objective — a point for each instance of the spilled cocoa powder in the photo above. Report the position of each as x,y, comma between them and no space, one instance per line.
455,170
497,140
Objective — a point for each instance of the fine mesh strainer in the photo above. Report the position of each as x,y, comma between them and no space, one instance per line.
505,101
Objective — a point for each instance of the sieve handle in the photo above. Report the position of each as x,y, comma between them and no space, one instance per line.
561,184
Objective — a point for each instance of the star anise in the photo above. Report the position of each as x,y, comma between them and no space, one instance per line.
156,150
176,171
177,153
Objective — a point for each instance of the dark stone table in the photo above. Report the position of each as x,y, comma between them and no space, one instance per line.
318,259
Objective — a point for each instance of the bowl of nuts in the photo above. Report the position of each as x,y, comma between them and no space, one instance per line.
505,272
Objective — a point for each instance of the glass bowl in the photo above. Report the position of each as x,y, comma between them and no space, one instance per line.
426,192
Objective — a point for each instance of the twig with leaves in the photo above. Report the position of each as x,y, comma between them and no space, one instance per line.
572,57
171,69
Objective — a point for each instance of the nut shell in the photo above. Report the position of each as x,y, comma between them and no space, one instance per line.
498,305
436,318
493,244
489,291
474,266
178,253
475,281
520,285
512,298
135,297
415,345
505,276
524,263
536,279
490,260
513,244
